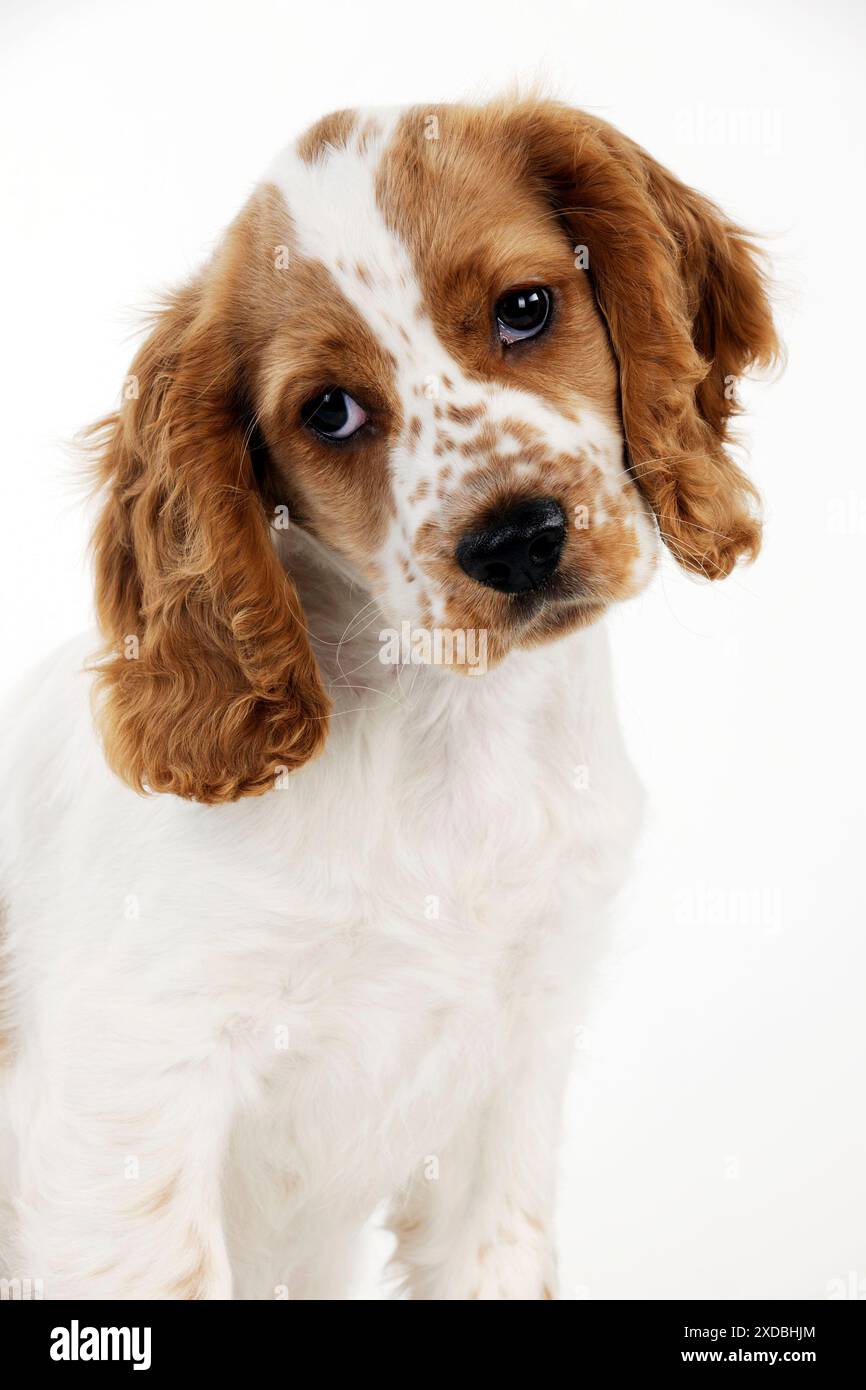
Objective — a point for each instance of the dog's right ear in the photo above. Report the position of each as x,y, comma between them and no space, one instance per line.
209,686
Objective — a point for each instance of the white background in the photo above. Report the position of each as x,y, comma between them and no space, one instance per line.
716,1137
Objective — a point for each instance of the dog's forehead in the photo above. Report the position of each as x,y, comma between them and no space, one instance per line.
377,198
386,200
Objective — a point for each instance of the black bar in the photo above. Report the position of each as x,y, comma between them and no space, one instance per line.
239,1339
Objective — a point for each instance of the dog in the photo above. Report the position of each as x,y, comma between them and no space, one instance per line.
306,852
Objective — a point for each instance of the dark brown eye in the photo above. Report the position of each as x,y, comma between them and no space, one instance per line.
522,314
334,414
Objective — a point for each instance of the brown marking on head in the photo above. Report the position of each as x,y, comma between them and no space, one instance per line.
343,495
476,226
331,132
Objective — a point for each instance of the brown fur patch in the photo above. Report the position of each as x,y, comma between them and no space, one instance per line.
331,132
341,492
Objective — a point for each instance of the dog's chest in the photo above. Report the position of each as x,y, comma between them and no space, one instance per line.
435,930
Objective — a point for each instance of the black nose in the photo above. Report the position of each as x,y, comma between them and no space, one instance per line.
518,549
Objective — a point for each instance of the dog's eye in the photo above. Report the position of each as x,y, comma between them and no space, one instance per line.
334,414
522,314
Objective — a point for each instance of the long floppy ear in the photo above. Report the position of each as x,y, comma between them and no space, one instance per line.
209,684
685,301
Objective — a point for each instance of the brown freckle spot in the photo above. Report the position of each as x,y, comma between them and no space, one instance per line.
415,428
437,412
404,335
363,274
332,132
485,441
421,489
445,472
465,414
407,569
521,431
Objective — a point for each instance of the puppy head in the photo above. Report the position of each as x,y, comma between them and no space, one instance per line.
472,351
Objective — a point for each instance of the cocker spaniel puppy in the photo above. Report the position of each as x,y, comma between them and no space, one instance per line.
301,863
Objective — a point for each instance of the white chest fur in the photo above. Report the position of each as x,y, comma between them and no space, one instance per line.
317,986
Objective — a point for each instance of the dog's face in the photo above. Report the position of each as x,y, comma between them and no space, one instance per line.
438,396
474,352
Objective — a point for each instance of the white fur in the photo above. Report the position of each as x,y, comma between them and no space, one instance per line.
159,949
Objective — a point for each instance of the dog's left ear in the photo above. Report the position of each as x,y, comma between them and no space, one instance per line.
685,300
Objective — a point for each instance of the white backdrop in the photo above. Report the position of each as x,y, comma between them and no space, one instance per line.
717,1141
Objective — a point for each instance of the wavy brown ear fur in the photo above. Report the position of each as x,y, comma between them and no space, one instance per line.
209,684
685,301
